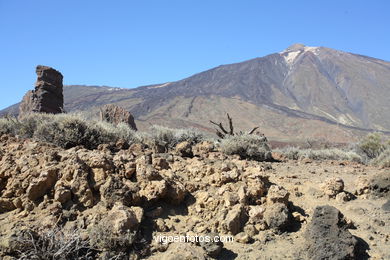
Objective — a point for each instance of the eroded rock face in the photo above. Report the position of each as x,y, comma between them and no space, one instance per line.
115,114
47,97
27,104
327,236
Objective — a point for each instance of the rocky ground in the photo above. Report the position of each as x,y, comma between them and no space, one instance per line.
118,197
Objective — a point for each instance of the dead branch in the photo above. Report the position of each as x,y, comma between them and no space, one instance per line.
220,127
230,124
222,132
253,130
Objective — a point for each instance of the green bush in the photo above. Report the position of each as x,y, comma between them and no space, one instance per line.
371,146
247,147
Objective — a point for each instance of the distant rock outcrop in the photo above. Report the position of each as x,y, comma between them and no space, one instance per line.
115,114
47,97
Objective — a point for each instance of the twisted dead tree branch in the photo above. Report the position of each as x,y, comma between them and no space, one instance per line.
222,132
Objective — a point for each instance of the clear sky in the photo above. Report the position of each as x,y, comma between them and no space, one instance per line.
128,43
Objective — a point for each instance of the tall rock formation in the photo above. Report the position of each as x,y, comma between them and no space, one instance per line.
47,97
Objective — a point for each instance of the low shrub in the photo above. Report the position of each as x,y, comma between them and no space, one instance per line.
50,244
371,146
8,126
383,160
247,146
294,153
102,238
67,130
167,138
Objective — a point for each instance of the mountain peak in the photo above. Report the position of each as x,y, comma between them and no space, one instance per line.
294,51
296,47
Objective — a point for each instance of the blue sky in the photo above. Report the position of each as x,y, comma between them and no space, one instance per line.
127,43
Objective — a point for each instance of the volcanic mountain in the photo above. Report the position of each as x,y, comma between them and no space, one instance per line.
299,93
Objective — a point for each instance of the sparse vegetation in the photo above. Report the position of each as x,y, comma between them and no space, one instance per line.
7,126
294,153
383,160
371,146
373,149
222,132
102,237
165,138
247,146
67,130
50,244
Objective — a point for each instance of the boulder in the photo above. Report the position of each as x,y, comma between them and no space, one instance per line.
62,194
116,114
212,248
124,219
277,216
235,219
327,236
377,185
42,184
256,214
333,186
277,194
203,148
184,149
6,205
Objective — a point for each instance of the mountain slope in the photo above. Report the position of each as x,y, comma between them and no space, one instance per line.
301,92
342,87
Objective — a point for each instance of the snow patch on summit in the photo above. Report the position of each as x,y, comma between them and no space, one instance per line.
291,54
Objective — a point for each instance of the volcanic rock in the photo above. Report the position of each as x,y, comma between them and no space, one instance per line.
116,114
327,236
47,97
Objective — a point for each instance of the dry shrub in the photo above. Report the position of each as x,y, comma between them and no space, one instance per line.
8,126
336,154
50,244
371,146
383,160
67,130
168,138
102,238
247,147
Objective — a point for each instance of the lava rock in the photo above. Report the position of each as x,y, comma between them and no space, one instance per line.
327,236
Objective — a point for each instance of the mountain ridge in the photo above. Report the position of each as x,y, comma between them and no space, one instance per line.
340,89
